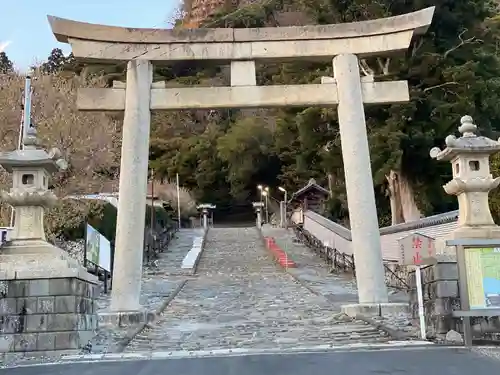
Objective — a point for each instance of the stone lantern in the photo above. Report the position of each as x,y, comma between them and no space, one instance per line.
205,208
41,282
31,169
472,181
258,206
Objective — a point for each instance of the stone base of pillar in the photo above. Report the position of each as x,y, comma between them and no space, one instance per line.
375,309
48,300
482,232
125,318
490,232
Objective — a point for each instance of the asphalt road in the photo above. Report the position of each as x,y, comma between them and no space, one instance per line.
415,361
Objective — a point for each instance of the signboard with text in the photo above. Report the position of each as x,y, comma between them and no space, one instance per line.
98,249
482,266
416,249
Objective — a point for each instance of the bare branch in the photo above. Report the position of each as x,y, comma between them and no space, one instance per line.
367,71
416,47
463,42
89,141
438,86
384,66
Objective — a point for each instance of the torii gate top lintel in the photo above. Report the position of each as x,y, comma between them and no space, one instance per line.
365,38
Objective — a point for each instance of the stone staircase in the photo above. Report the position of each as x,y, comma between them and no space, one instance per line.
239,298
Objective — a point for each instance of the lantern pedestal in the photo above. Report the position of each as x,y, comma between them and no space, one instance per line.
48,298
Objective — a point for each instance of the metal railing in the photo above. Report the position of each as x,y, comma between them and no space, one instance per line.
157,242
339,261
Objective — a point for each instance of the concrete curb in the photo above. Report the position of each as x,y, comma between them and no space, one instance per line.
301,282
205,233
192,270
131,334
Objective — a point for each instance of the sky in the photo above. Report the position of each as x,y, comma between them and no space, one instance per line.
25,34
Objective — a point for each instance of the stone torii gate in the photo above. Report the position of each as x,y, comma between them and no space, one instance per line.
242,48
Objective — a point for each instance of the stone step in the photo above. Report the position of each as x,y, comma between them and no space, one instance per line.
165,273
165,346
158,337
163,328
165,336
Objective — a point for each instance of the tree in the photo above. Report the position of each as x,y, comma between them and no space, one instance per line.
246,148
89,142
6,65
57,62
452,71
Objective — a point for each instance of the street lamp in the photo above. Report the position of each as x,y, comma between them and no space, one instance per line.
260,187
265,194
283,215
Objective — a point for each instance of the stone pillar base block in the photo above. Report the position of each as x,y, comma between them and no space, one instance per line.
125,318
375,309
54,313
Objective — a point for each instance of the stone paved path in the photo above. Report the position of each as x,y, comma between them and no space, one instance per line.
338,288
239,298
155,286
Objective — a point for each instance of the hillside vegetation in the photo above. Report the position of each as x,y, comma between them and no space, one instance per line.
452,70
221,156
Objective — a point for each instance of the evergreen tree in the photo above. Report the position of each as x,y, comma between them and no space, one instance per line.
452,70
6,65
57,62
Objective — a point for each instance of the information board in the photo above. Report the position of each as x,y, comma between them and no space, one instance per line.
98,249
482,267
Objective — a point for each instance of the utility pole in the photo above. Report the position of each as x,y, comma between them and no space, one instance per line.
178,200
284,220
24,125
152,201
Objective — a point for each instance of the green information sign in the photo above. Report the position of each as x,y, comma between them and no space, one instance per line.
483,277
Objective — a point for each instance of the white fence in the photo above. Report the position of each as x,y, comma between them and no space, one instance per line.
336,236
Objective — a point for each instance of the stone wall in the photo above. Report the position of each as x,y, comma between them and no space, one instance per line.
46,314
440,293
441,296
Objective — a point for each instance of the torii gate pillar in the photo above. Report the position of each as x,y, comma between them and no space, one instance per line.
133,188
359,181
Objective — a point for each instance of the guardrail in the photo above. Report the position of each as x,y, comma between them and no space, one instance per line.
395,275
157,242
